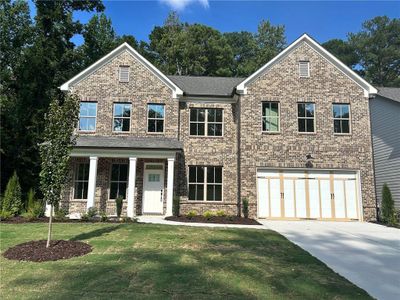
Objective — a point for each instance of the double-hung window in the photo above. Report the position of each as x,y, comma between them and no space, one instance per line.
206,121
205,183
155,118
87,116
119,180
270,117
122,117
341,118
306,117
81,180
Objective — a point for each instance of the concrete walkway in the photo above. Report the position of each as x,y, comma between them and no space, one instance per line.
366,254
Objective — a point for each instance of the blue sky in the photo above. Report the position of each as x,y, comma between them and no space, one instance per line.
323,20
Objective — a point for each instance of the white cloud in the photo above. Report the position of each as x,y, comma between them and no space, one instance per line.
181,4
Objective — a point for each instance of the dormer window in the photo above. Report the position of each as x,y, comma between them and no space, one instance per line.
123,73
304,68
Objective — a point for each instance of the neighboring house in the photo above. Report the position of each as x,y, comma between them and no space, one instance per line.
385,125
293,138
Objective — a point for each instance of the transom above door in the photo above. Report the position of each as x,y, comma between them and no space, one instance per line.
153,188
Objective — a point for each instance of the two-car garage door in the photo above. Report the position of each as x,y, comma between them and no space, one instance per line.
294,194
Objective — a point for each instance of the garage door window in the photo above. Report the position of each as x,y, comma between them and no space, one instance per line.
270,117
205,183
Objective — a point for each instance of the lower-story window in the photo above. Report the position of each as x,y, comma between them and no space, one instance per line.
205,183
119,180
81,180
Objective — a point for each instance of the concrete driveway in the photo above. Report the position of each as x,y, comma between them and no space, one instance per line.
366,254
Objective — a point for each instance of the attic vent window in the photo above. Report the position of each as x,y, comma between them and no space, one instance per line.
304,68
124,74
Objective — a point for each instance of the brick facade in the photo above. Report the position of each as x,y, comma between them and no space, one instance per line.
286,149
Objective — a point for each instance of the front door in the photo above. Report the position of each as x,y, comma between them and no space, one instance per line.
153,188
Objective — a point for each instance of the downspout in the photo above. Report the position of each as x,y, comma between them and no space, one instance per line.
373,157
238,156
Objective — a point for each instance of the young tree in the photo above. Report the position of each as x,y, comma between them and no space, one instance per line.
388,212
12,201
59,139
378,47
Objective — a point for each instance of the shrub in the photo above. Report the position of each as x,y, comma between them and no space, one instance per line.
119,202
191,214
28,215
5,215
12,201
221,213
208,214
84,217
387,206
31,199
60,214
92,212
103,217
36,209
245,207
176,206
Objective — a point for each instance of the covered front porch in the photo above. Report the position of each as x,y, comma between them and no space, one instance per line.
142,176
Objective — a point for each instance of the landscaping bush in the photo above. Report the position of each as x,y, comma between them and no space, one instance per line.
28,215
36,209
103,217
387,206
245,207
221,213
176,206
31,200
208,214
60,214
191,214
92,212
84,217
5,215
119,202
12,201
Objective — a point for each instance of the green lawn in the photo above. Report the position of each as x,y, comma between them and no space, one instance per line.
158,262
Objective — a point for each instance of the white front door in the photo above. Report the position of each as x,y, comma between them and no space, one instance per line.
153,188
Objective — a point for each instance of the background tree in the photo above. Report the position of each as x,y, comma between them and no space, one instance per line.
270,41
59,140
378,47
343,51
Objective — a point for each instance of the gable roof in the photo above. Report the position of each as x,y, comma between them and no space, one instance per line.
176,91
368,89
390,93
206,86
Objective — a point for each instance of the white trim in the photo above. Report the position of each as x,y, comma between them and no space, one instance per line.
368,89
170,186
176,91
122,153
131,212
92,182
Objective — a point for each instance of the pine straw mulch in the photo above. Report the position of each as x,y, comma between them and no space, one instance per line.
36,250
214,219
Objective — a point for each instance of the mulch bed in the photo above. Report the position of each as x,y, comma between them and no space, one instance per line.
215,219
36,250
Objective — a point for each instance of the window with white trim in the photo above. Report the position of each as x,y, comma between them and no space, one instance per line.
155,118
341,118
123,73
306,117
270,116
87,116
205,183
304,68
118,181
206,121
81,180
122,117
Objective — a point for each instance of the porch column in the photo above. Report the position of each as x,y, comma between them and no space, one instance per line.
170,186
131,187
92,181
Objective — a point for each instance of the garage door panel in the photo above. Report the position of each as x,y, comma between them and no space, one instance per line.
326,206
340,209
275,193
313,189
351,199
301,208
289,198
263,203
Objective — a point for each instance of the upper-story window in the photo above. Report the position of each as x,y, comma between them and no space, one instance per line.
155,118
270,116
87,116
341,118
122,117
206,121
123,73
306,117
304,68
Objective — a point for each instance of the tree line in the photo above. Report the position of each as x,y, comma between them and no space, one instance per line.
37,56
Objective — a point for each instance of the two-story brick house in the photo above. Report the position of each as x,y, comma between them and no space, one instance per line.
293,138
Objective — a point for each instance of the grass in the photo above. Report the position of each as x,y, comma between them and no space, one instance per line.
158,262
